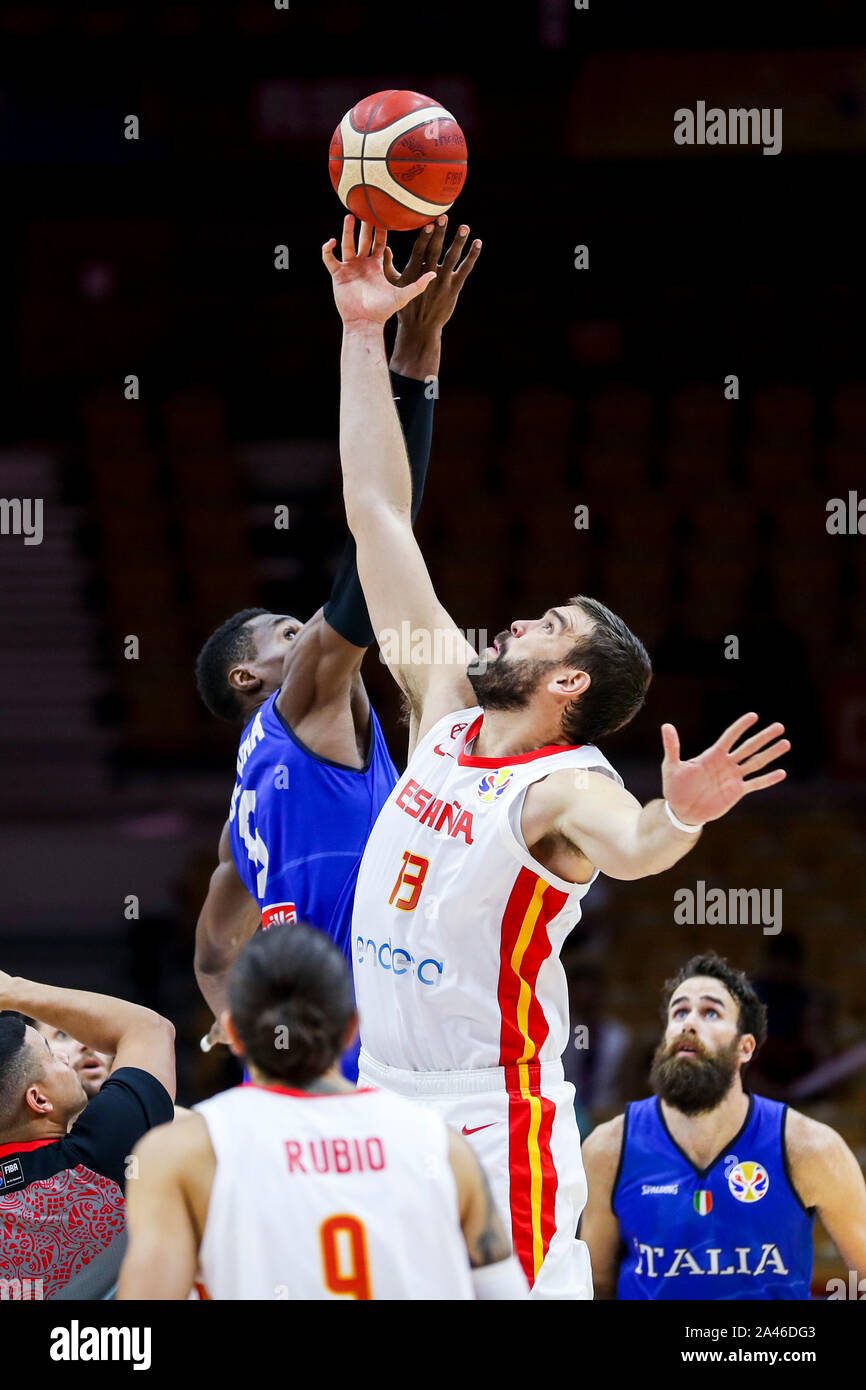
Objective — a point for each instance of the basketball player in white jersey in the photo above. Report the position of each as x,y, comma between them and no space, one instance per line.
475,870
298,1185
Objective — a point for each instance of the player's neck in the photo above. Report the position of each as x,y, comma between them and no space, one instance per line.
702,1137
508,733
331,1083
30,1133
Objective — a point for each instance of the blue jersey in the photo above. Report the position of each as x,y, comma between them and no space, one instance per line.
734,1230
299,823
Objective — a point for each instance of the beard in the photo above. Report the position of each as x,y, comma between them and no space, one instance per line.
507,685
693,1084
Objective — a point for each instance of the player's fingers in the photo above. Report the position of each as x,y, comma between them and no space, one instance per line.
434,250
733,731
392,275
380,242
419,252
760,760
671,742
769,779
412,291
328,255
365,238
452,255
347,249
468,262
757,741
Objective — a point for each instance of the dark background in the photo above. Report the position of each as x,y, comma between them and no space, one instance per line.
558,388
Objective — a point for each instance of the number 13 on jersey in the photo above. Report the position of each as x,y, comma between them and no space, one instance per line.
410,879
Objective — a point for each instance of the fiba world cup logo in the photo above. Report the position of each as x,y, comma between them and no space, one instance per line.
749,1182
494,784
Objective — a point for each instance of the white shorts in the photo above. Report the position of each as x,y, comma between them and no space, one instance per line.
521,1124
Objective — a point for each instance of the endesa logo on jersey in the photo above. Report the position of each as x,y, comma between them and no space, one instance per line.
494,784
398,960
275,914
749,1182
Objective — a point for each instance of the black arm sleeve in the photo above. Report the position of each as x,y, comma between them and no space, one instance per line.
346,609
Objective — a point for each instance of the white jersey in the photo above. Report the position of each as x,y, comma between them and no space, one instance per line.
343,1195
456,929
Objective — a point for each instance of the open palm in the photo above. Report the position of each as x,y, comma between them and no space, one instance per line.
362,292
706,787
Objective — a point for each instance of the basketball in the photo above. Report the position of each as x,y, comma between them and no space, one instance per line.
397,159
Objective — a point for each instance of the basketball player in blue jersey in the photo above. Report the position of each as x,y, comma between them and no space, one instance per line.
313,769
704,1191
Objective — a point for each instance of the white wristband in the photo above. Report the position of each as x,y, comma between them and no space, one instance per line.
680,825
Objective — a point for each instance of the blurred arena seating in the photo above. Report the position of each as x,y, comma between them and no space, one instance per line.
558,391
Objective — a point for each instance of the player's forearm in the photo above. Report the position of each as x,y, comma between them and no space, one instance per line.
372,448
97,1020
214,958
215,988
417,354
651,844
658,843
346,609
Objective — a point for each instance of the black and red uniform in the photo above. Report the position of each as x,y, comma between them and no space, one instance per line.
61,1200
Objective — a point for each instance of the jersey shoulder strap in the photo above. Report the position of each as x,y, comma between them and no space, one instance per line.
449,732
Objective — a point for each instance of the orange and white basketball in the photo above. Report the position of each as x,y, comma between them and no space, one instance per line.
397,159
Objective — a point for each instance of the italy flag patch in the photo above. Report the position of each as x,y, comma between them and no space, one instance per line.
703,1202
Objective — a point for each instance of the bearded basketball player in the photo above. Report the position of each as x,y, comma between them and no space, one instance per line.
313,768
704,1191
475,870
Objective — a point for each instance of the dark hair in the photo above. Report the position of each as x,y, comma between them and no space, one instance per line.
752,1013
16,1064
223,649
620,672
291,978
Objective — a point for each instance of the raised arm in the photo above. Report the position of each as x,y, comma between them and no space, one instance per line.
626,840
325,658
404,610
134,1035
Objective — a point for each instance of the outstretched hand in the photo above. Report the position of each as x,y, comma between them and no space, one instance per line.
431,311
362,292
706,787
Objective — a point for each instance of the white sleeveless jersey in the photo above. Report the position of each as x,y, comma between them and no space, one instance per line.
456,929
344,1195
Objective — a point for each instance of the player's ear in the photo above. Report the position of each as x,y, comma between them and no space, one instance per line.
243,680
748,1047
37,1102
572,684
